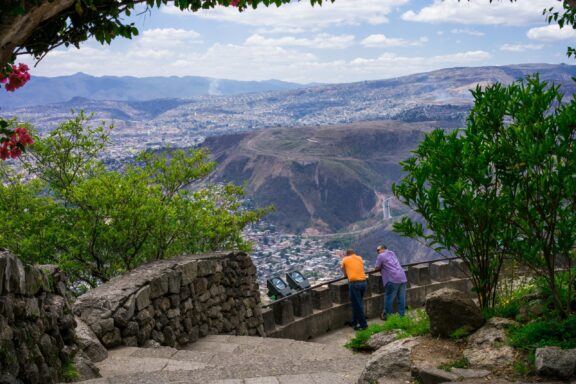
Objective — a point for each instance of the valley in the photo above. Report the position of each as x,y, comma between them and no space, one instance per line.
325,155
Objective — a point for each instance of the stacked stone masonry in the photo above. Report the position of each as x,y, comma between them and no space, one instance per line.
175,302
313,312
37,338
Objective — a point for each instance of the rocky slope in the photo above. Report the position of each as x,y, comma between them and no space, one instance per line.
321,180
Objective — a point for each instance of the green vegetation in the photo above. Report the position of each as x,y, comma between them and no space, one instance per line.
415,323
70,372
502,187
460,363
98,223
539,333
460,333
72,23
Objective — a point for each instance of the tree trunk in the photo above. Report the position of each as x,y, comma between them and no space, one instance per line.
15,30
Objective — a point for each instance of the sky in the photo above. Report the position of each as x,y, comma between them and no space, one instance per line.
344,41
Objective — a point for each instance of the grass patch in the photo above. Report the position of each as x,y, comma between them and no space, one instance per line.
70,372
460,363
415,323
460,333
541,333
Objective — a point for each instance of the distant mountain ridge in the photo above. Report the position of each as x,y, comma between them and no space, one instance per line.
442,95
47,90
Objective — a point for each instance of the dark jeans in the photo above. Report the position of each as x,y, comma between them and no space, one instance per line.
357,290
393,291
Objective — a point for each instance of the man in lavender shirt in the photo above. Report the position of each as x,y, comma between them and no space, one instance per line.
393,279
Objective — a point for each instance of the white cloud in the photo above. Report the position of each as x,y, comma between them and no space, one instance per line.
551,33
231,61
466,31
322,41
301,14
482,12
167,37
381,41
520,47
281,30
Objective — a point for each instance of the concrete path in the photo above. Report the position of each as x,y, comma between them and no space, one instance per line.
238,360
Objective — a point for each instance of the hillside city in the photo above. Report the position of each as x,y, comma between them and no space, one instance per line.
275,254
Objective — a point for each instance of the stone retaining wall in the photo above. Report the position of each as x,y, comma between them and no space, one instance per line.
37,336
175,302
314,312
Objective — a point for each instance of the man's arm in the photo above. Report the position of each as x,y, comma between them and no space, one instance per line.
378,266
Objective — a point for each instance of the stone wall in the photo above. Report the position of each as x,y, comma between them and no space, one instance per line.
37,338
175,302
318,310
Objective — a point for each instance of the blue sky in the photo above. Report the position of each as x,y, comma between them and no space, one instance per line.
345,41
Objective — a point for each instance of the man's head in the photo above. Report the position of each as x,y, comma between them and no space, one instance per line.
381,248
350,252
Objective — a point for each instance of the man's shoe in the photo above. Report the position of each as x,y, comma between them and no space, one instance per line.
359,328
349,324
383,316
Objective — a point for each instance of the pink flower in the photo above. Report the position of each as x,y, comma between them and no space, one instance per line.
15,77
13,145
234,3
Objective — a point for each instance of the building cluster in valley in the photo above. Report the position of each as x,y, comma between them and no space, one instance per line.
275,253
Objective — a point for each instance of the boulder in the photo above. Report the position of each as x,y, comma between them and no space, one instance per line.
391,361
85,367
381,339
449,310
487,346
556,362
89,343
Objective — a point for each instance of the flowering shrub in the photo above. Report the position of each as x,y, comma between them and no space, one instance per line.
13,142
14,76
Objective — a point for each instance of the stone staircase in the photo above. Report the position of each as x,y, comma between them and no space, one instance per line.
236,360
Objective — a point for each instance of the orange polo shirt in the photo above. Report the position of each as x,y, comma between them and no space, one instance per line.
353,265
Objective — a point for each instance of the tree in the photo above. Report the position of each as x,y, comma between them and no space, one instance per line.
37,26
535,130
503,186
98,223
451,183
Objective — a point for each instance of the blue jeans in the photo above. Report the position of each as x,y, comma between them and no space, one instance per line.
393,291
357,290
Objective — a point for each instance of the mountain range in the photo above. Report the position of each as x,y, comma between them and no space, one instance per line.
442,95
47,90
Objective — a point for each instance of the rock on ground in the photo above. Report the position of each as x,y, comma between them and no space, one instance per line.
449,310
391,361
555,362
487,346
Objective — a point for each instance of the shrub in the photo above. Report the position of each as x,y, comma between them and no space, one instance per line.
541,333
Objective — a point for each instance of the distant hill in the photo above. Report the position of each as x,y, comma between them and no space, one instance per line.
321,180
325,180
442,96
47,90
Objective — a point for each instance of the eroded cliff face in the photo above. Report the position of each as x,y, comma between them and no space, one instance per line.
321,180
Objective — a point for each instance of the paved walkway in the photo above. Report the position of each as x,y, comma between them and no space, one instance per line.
238,360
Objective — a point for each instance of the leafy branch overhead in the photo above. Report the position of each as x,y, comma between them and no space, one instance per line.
37,26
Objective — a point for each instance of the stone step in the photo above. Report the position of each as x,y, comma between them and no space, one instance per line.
233,360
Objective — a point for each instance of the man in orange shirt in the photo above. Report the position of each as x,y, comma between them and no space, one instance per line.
353,267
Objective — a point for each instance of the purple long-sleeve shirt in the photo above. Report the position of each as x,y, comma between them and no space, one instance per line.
390,268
